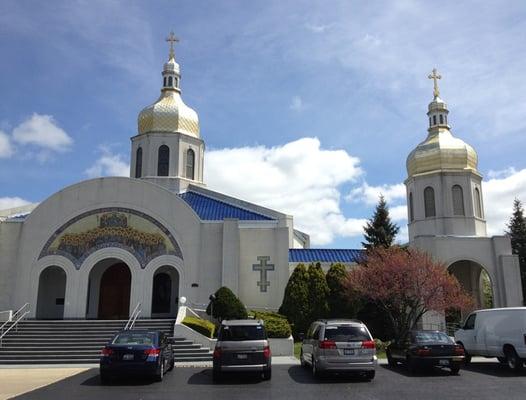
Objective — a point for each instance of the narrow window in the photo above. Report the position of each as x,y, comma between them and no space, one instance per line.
170,81
190,163
445,117
176,82
138,163
164,81
429,202
478,204
411,215
441,119
458,200
434,119
430,121
163,162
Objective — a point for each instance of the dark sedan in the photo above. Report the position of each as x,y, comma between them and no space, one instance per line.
138,353
426,349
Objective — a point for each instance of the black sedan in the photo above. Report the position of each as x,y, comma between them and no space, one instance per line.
426,349
138,353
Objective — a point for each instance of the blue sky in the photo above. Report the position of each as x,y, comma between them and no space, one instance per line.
317,103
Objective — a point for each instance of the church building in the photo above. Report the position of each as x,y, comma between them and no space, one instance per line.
102,247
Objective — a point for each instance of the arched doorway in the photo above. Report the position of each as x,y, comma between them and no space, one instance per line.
165,292
51,293
109,288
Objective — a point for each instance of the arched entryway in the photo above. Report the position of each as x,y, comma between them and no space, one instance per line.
109,289
51,293
165,292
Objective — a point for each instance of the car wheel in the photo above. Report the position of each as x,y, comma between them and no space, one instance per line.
267,375
467,357
315,371
172,364
216,375
369,375
302,360
455,368
160,375
390,360
514,361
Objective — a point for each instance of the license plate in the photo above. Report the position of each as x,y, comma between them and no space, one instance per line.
443,362
348,352
127,357
241,356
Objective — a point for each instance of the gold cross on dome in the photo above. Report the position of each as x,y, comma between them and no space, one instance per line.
435,76
172,39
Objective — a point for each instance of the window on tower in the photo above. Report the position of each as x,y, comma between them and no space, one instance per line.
411,215
138,163
441,119
163,162
478,204
429,202
458,200
170,81
164,81
434,119
190,164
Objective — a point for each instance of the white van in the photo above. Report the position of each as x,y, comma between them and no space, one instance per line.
497,332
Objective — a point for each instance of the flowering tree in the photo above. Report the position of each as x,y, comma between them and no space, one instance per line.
406,283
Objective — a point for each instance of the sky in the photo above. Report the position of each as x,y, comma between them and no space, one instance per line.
307,107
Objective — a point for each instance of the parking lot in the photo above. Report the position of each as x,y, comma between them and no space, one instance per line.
483,380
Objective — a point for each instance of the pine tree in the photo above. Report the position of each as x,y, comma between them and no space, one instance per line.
341,305
295,304
517,233
379,230
226,305
318,293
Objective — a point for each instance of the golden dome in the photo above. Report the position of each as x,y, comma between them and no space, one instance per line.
441,151
169,114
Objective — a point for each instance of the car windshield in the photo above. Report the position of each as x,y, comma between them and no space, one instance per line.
238,333
135,338
346,333
432,337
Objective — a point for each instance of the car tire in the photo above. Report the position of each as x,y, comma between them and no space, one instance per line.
267,375
171,366
467,357
302,360
515,363
216,375
315,372
160,375
390,360
369,375
455,368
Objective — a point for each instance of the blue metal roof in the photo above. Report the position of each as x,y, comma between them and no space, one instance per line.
210,209
325,255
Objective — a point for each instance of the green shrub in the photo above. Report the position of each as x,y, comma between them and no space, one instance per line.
202,326
276,324
381,346
295,304
342,303
226,306
318,293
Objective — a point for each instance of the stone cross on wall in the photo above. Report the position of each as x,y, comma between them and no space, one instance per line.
263,267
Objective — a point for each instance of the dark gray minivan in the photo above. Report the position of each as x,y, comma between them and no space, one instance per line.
242,346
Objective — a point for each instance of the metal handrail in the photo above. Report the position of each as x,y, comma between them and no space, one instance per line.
12,326
13,316
133,317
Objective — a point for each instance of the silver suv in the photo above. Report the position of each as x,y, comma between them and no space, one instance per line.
242,346
339,346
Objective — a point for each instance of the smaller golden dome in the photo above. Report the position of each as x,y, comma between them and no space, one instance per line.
169,114
441,151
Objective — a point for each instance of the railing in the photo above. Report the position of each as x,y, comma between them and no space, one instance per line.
12,316
133,317
17,317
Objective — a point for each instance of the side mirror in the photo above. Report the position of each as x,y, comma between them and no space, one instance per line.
301,336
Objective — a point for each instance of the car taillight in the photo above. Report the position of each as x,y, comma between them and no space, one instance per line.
459,350
327,344
423,352
217,352
152,352
106,352
266,352
368,344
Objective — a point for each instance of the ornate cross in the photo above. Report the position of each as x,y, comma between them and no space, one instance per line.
172,39
435,76
263,267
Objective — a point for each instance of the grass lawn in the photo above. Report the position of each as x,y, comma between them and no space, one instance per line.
297,349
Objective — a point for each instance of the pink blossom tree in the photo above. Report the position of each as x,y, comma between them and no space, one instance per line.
406,283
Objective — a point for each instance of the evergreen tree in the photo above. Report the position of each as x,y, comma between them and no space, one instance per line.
341,305
517,233
318,293
226,305
379,230
295,304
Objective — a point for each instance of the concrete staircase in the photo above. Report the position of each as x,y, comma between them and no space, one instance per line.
80,341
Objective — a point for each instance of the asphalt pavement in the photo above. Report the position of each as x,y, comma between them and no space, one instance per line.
484,380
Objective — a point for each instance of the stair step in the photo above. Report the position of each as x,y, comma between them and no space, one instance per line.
200,350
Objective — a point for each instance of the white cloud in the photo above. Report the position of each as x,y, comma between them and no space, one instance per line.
108,164
296,104
317,28
6,150
299,178
43,132
501,173
12,202
370,194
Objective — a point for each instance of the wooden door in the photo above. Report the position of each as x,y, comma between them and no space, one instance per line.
114,295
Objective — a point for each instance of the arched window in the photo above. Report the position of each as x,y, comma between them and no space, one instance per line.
138,163
176,82
429,202
478,204
190,164
163,162
434,119
445,118
411,215
458,200
164,81
441,119
430,121
170,81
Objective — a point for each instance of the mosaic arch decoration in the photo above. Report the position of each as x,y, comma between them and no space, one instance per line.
127,229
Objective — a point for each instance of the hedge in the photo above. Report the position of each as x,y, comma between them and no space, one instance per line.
276,324
202,326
